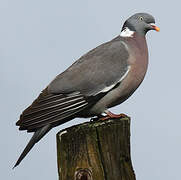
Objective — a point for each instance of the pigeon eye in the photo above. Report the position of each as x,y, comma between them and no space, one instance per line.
141,18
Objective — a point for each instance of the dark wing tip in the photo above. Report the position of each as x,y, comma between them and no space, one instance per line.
18,123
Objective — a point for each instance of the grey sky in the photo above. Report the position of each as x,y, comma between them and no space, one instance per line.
39,39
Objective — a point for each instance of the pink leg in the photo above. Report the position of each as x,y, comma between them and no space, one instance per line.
111,115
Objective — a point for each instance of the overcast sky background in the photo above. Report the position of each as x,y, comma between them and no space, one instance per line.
39,39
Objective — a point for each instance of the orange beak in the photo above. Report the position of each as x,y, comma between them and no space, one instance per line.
155,28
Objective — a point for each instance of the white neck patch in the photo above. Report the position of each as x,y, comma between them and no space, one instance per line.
127,32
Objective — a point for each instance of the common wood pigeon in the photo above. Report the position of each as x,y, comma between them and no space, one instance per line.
102,78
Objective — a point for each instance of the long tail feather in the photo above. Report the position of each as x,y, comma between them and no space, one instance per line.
35,138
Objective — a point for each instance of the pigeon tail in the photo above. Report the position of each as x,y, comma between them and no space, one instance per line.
35,138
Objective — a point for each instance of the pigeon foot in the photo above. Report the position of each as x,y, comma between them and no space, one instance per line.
111,115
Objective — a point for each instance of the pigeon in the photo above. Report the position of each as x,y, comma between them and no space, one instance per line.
104,77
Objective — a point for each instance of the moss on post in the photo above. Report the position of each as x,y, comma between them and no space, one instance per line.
95,151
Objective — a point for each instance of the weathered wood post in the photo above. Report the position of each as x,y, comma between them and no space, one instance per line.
95,151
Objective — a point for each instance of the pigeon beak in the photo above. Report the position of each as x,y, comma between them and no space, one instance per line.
154,27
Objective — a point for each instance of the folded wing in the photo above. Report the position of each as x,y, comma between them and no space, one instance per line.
50,109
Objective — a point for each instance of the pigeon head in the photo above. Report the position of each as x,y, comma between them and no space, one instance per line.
140,23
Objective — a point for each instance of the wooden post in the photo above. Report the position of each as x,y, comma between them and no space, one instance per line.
95,151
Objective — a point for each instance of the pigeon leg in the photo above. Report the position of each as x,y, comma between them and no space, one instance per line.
111,115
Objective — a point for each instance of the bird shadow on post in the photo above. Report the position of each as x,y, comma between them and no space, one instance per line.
97,150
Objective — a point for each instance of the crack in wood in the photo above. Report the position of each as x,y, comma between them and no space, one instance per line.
100,154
